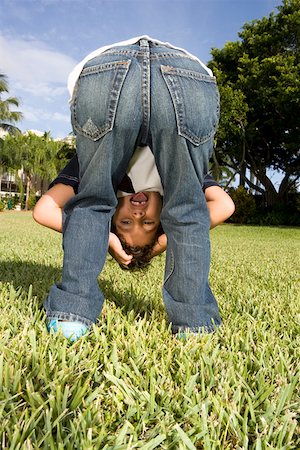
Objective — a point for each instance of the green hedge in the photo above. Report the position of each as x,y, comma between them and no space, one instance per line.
249,209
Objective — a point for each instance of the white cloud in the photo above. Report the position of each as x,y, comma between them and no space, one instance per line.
37,76
47,91
37,115
32,62
60,117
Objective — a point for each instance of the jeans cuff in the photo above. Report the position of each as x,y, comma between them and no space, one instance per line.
69,317
204,329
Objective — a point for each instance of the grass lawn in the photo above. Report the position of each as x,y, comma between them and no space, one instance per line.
129,383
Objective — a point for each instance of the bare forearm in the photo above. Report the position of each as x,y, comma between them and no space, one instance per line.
50,217
48,210
219,213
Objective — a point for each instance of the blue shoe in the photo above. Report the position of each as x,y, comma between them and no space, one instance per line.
184,335
71,330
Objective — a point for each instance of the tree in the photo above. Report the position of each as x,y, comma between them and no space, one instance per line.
260,91
8,118
35,155
231,132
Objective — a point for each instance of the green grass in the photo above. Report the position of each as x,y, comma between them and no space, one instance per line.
130,384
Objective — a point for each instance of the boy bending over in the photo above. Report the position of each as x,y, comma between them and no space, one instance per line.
134,94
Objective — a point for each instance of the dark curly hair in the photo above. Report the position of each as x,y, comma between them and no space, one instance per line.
141,254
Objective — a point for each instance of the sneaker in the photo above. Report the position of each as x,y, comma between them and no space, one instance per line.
71,330
184,335
187,333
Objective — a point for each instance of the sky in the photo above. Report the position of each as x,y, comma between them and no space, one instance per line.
42,40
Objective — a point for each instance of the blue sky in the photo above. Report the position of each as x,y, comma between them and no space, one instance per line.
42,40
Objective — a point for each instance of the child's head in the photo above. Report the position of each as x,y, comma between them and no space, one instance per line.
137,224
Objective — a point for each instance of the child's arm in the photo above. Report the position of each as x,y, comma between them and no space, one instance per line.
219,204
220,207
48,212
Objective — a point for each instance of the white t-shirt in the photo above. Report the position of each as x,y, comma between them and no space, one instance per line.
73,77
143,172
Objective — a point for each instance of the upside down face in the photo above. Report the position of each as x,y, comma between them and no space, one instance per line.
137,218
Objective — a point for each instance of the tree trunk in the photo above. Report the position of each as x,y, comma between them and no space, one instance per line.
28,184
271,195
242,175
287,183
243,165
215,167
273,198
42,186
252,179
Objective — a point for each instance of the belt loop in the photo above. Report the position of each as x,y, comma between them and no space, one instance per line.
144,44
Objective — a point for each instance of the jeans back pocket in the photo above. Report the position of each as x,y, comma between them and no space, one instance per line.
96,97
196,102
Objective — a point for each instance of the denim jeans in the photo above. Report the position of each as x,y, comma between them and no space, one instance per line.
141,94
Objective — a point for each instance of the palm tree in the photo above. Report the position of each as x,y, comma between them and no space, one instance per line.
8,118
35,155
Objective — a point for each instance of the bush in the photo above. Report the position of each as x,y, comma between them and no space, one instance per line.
2,205
32,200
245,206
277,216
22,200
250,209
16,200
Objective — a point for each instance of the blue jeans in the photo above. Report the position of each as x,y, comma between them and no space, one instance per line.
142,94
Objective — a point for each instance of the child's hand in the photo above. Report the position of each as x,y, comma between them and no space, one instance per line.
160,245
116,250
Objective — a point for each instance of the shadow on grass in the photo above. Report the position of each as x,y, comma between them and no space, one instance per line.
128,300
24,273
